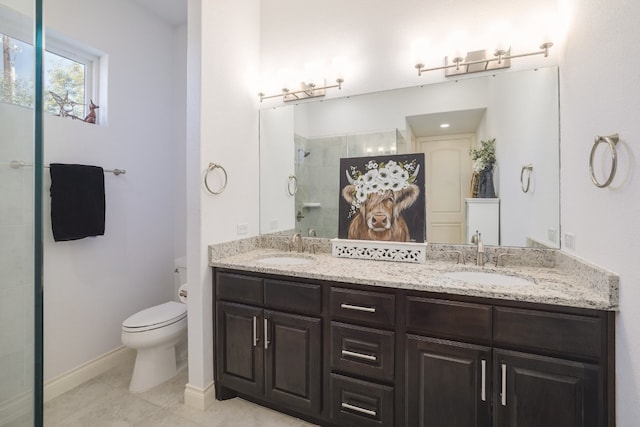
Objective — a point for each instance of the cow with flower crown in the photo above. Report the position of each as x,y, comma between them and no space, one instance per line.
377,199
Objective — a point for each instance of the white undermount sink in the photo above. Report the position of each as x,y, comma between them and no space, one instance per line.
284,260
488,278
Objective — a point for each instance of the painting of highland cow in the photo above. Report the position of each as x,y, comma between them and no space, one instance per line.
382,198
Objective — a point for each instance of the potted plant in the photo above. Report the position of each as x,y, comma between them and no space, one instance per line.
485,159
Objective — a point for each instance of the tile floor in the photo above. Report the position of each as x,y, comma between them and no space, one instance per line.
106,401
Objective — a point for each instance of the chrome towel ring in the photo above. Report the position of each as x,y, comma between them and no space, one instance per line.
528,168
292,185
211,167
612,140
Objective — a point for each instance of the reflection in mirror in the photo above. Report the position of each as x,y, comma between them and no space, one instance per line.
518,109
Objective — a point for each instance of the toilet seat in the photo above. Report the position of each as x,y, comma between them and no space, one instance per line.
155,317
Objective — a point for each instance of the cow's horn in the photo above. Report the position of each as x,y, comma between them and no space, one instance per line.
349,178
415,174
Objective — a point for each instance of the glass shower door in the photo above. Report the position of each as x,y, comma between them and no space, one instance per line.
20,219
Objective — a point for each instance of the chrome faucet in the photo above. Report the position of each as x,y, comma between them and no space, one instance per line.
477,239
296,240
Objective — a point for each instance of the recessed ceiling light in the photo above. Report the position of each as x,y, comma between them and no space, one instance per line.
444,125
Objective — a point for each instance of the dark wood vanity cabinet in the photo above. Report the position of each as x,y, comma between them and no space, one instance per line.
449,385
269,354
362,347
532,390
561,372
351,355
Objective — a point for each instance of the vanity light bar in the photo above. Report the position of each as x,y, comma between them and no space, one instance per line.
502,59
309,90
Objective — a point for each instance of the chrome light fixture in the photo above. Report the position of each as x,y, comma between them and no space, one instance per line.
478,60
306,91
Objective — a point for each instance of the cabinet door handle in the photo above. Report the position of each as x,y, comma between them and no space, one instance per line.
503,394
483,391
359,355
255,331
359,409
358,308
266,334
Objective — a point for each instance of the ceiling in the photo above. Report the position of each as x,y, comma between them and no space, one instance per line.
174,12
464,121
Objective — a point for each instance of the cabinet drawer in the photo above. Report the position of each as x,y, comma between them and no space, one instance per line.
449,319
559,333
370,308
362,351
239,288
299,297
360,403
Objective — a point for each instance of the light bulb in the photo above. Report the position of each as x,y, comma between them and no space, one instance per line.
419,49
339,67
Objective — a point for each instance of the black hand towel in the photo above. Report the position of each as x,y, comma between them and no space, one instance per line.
77,201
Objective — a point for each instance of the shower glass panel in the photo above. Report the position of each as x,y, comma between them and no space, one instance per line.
20,218
317,162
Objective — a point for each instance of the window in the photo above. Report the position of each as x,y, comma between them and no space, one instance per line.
70,75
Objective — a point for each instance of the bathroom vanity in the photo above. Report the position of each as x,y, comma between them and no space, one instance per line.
344,342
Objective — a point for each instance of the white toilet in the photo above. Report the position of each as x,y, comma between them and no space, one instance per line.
154,333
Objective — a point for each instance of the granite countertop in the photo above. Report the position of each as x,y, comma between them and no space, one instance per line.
567,283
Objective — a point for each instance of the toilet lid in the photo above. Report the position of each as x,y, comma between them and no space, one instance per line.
159,315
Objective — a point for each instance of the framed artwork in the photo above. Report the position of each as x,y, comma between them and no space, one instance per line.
382,198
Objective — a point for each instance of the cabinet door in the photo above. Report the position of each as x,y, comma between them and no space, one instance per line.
239,354
293,357
448,383
533,391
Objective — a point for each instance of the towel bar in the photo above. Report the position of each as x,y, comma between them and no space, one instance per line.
213,166
529,169
612,140
292,190
16,164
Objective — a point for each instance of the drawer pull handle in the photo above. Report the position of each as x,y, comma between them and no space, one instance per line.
266,334
359,409
358,308
483,392
255,331
359,355
503,395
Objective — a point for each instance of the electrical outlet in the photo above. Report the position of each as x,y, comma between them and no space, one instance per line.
273,224
551,234
569,240
243,228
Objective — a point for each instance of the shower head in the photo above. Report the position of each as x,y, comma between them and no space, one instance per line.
306,153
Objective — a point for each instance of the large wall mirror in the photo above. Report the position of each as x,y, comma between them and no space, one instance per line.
519,109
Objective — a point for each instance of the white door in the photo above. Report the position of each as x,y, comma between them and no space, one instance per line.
447,183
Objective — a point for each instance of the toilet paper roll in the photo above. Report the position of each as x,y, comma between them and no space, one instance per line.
182,293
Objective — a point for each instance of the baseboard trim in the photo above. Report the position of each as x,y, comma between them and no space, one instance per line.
199,398
83,373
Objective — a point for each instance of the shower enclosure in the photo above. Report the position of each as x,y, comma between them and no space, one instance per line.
20,214
317,166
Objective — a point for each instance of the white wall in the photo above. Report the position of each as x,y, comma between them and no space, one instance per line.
222,127
179,188
599,95
92,285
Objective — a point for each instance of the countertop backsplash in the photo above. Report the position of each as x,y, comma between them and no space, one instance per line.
561,279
